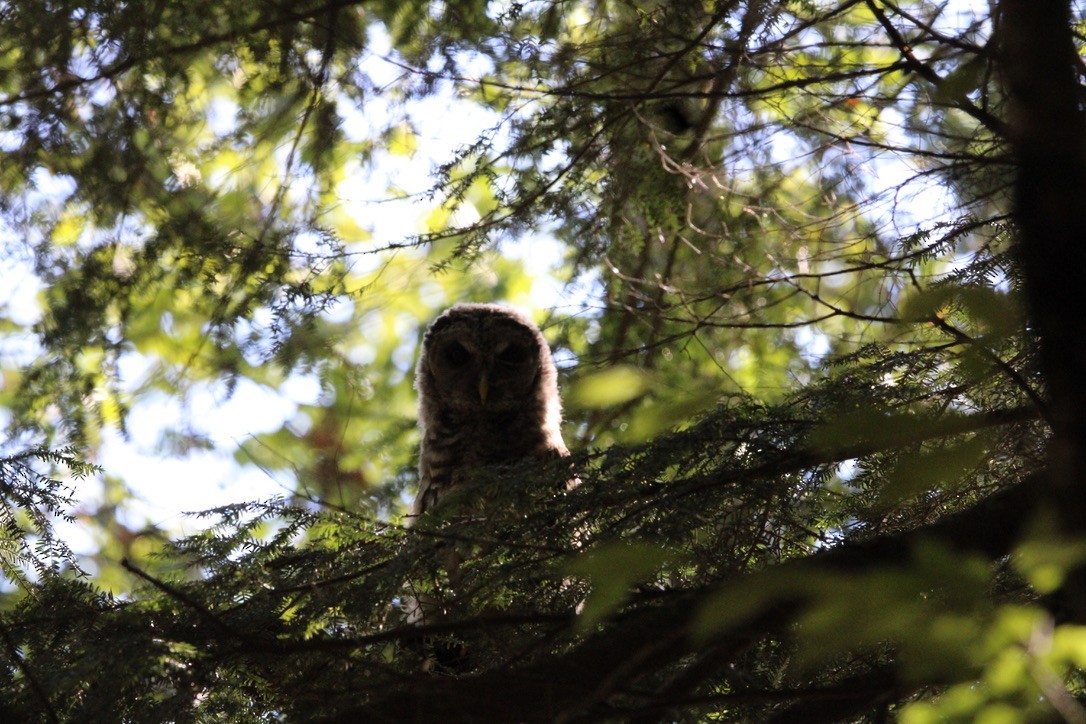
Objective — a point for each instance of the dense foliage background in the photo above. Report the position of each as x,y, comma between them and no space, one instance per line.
810,269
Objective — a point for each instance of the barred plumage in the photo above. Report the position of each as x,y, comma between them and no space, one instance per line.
488,393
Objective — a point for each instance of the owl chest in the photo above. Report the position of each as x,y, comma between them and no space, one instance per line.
471,440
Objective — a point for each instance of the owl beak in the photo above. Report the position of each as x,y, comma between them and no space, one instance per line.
484,388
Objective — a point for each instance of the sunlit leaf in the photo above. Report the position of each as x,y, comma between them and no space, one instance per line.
401,140
612,386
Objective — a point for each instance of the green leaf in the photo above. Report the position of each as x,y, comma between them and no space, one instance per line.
613,568
401,140
611,387
1046,560
917,473
867,427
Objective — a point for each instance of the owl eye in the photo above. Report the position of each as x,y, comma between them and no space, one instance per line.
456,354
512,355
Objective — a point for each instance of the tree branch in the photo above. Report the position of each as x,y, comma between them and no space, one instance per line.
657,633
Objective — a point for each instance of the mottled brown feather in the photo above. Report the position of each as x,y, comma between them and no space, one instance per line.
464,426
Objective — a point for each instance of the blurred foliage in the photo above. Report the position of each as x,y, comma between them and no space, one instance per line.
800,389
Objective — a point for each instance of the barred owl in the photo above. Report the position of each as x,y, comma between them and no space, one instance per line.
488,393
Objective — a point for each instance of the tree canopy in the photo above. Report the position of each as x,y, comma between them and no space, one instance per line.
810,271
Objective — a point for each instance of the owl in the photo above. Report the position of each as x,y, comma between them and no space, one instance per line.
488,393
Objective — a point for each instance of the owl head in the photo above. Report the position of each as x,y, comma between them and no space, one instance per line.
485,358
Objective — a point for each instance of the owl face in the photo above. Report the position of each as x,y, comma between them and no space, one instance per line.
477,359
